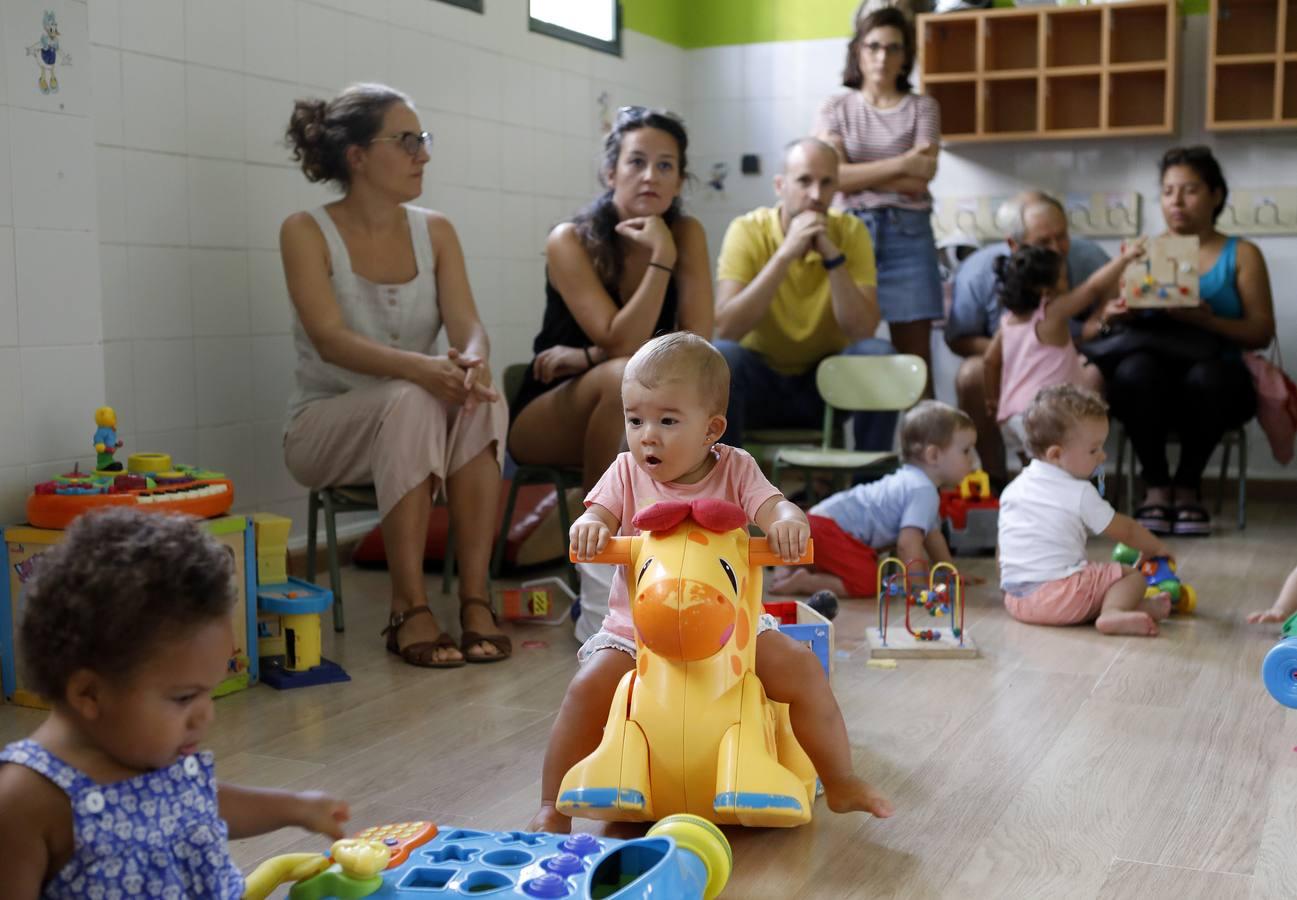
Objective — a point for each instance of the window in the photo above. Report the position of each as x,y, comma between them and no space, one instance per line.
474,5
590,23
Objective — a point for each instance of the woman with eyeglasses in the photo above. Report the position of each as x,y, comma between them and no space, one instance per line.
629,266
373,280
887,138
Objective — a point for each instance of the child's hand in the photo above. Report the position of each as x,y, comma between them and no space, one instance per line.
1270,615
322,814
588,536
788,538
1133,250
1160,549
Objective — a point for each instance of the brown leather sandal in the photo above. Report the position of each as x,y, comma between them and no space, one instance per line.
501,642
420,653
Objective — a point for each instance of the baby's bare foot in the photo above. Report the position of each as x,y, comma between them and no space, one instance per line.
550,820
1158,605
852,794
1132,622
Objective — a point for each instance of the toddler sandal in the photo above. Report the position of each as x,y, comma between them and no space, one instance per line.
1191,520
1156,517
421,653
467,639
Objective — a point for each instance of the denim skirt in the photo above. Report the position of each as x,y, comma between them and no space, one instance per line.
905,251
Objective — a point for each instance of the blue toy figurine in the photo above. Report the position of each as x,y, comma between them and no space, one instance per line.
105,440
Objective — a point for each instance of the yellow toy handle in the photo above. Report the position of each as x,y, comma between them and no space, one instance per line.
277,870
617,553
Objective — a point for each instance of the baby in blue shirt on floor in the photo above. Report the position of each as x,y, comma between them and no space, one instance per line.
127,632
900,510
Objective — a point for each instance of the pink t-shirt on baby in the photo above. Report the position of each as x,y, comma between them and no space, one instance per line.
625,489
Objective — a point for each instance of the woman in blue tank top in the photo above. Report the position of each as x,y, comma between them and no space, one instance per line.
1155,394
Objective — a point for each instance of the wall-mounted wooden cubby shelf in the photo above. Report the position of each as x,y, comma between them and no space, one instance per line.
1252,65
1055,72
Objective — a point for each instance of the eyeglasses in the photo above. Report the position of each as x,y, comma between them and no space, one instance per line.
410,141
890,49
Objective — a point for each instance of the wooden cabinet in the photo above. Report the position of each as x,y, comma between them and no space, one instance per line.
1252,65
1054,72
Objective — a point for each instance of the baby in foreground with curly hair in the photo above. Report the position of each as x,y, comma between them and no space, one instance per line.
127,632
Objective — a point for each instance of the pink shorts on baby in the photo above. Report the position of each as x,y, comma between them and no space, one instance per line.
1068,601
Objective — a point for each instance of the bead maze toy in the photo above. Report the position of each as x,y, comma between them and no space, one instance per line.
939,593
1167,276
690,729
681,858
1160,574
970,515
24,547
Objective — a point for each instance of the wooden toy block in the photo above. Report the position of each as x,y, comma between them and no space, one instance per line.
1166,278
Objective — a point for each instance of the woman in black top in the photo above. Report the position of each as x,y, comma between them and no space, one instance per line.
626,268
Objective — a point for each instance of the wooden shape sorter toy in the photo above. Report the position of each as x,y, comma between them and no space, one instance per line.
1166,277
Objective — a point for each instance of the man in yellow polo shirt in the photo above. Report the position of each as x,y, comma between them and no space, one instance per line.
796,283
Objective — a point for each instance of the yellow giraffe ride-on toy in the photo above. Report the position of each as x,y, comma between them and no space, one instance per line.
691,729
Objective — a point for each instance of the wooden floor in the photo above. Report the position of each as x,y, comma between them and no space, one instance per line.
1060,764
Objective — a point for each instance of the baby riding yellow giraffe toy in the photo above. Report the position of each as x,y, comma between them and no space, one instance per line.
691,729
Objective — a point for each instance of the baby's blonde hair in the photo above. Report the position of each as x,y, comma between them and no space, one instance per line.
1055,411
683,356
931,423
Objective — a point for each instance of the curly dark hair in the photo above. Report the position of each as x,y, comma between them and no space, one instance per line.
1022,278
320,131
119,582
887,17
596,224
1204,165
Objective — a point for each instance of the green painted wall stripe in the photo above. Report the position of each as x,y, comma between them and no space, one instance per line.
713,23
661,19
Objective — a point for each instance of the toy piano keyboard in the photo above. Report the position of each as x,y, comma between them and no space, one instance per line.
150,483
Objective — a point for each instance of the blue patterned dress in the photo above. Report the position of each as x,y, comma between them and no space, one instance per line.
159,834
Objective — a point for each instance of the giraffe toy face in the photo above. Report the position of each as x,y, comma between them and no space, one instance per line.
689,589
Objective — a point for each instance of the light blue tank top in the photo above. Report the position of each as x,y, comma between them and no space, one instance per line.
1218,288
159,834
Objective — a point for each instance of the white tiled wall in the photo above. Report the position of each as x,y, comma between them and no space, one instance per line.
159,167
757,97
51,313
190,102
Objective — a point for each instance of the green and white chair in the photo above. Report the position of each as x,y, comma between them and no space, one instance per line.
855,384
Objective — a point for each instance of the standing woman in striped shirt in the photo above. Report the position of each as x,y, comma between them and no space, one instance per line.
888,137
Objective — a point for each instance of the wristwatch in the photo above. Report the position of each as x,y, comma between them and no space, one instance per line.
831,264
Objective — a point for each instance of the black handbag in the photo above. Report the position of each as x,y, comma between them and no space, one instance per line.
1157,334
